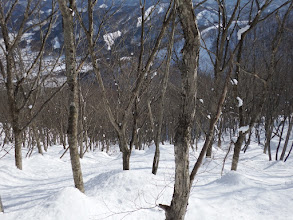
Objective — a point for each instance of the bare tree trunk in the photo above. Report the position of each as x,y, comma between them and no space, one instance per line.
247,143
125,151
280,138
158,133
18,146
237,149
1,205
269,131
44,139
190,52
289,153
67,14
287,138
220,131
37,138
209,150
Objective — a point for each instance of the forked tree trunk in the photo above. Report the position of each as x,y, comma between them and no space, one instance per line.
280,138
70,53
37,138
287,138
190,52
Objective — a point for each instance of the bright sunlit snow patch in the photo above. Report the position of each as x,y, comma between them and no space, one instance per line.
154,74
243,129
241,31
161,9
234,82
110,38
56,44
240,102
103,6
125,58
147,14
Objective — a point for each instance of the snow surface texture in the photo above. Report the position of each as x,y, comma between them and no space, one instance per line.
44,190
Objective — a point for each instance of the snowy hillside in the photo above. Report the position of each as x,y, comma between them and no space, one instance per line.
44,189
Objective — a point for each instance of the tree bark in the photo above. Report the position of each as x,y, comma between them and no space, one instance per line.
126,152
157,134
37,138
287,137
209,150
70,53
280,138
18,146
188,67
237,149
1,205
269,131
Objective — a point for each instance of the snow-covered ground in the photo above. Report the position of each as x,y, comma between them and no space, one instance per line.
44,189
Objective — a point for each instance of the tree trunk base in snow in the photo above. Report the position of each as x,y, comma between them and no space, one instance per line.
126,158
237,149
156,160
1,205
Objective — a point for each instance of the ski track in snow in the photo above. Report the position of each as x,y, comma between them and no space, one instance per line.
260,189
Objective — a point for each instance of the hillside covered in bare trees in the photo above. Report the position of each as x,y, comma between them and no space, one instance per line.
144,109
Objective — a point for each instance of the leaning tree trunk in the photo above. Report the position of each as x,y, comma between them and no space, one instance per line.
287,137
188,67
67,14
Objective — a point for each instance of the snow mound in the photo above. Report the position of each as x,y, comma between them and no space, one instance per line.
119,182
98,182
68,203
233,179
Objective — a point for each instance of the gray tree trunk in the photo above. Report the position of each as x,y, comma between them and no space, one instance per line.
37,138
126,152
70,53
1,205
287,138
18,146
157,136
190,52
237,149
